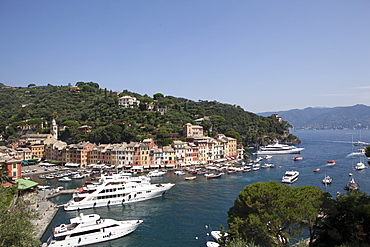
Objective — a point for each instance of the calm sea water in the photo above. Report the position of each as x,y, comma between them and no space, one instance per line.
191,209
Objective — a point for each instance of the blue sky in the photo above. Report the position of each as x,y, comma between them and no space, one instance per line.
262,55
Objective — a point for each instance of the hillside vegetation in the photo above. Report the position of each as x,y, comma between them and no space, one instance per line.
90,105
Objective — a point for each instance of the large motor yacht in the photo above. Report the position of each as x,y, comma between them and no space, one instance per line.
277,148
90,229
114,189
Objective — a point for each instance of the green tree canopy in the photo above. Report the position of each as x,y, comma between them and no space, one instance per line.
16,228
271,213
71,124
367,151
348,222
158,96
233,134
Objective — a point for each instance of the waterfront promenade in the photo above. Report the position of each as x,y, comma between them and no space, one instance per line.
38,202
46,211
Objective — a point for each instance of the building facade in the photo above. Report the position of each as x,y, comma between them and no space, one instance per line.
128,102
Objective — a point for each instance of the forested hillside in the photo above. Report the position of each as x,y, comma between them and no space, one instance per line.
90,105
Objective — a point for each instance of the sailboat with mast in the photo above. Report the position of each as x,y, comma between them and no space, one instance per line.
360,142
360,165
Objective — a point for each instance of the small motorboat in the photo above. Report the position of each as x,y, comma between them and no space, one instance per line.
327,180
78,176
156,173
190,178
65,179
352,185
212,244
297,158
290,177
317,170
268,165
360,166
258,160
256,167
217,235
211,176
179,173
330,162
247,169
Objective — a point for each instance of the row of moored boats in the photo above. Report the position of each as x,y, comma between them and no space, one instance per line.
122,188
109,189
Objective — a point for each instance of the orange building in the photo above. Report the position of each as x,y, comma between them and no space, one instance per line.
14,168
37,151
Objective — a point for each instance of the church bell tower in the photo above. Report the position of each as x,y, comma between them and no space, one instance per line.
54,129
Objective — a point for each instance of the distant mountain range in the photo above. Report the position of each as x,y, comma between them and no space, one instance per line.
349,117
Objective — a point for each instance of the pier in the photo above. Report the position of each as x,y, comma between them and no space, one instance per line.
61,192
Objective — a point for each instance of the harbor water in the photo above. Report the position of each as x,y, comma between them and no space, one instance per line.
192,208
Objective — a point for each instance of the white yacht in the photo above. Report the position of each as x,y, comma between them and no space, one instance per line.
90,229
212,244
217,235
360,143
179,173
290,177
327,180
360,166
114,189
277,148
65,179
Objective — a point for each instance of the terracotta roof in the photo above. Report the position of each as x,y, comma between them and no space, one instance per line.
7,184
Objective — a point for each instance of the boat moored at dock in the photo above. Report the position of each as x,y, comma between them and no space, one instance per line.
90,229
115,189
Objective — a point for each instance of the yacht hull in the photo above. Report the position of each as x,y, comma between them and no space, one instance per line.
117,199
292,151
123,229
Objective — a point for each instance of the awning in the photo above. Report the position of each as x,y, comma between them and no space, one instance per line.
24,184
